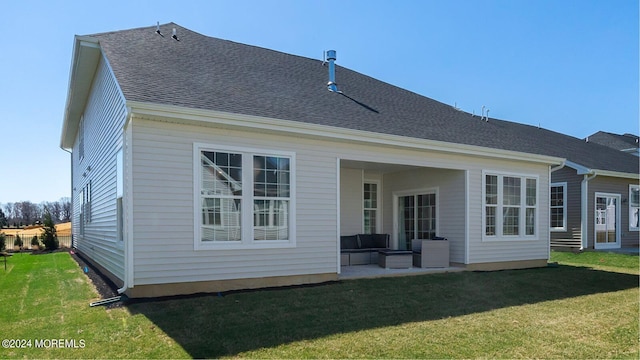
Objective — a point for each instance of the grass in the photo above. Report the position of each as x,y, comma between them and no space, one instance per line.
47,297
600,260
585,311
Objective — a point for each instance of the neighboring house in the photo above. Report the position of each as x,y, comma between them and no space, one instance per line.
595,198
201,164
627,142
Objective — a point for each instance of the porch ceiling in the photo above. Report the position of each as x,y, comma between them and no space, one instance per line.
374,166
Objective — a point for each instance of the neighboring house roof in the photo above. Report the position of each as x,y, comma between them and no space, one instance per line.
626,142
207,73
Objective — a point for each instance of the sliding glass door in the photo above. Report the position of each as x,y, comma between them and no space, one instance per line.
416,216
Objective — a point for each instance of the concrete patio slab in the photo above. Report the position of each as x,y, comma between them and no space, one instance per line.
375,271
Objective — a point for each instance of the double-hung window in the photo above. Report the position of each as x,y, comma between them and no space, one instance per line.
370,208
510,208
244,198
558,206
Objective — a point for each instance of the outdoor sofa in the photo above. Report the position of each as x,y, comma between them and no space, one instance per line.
362,249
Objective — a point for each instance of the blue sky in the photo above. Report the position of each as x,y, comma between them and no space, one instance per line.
567,65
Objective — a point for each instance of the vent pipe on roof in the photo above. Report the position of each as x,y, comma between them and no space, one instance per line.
331,58
158,29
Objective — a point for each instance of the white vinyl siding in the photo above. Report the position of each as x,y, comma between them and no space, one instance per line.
164,208
95,176
120,195
163,203
350,201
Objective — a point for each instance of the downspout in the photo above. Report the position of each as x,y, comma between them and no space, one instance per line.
584,221
126,206
552,169
338,215
71,191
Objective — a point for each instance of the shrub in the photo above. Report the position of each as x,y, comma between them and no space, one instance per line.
18,241
2,244
35,241
49,237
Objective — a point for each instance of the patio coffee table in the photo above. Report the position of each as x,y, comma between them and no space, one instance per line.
395,259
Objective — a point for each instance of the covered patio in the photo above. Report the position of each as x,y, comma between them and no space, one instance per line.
406,202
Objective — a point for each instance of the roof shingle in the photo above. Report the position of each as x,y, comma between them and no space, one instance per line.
213,74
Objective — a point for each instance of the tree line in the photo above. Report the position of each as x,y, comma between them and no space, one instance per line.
25,213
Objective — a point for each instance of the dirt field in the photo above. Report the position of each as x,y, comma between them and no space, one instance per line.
63,229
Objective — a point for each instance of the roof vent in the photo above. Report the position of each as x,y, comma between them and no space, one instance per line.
175,36
158,29
483,116
331,58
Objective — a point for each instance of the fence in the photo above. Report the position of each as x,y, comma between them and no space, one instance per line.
63,240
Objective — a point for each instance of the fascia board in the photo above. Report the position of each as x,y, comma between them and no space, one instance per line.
86,52
191,115
583,170
617,174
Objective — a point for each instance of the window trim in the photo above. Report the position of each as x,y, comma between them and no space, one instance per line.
522,226
81,212
247,198
631,187
564,206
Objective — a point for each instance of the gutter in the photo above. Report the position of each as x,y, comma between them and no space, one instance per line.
552,169
179,114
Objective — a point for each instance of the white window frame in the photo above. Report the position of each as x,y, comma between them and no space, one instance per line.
414,192
376,209
564,206
87,203
631,208
522,236
247,199
81,212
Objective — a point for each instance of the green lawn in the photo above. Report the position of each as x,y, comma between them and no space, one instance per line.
584,310
601,260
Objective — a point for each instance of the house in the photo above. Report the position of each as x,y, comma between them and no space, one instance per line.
626,142
595,197
204,165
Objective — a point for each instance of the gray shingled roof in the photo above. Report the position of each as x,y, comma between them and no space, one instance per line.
614,141
209,73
